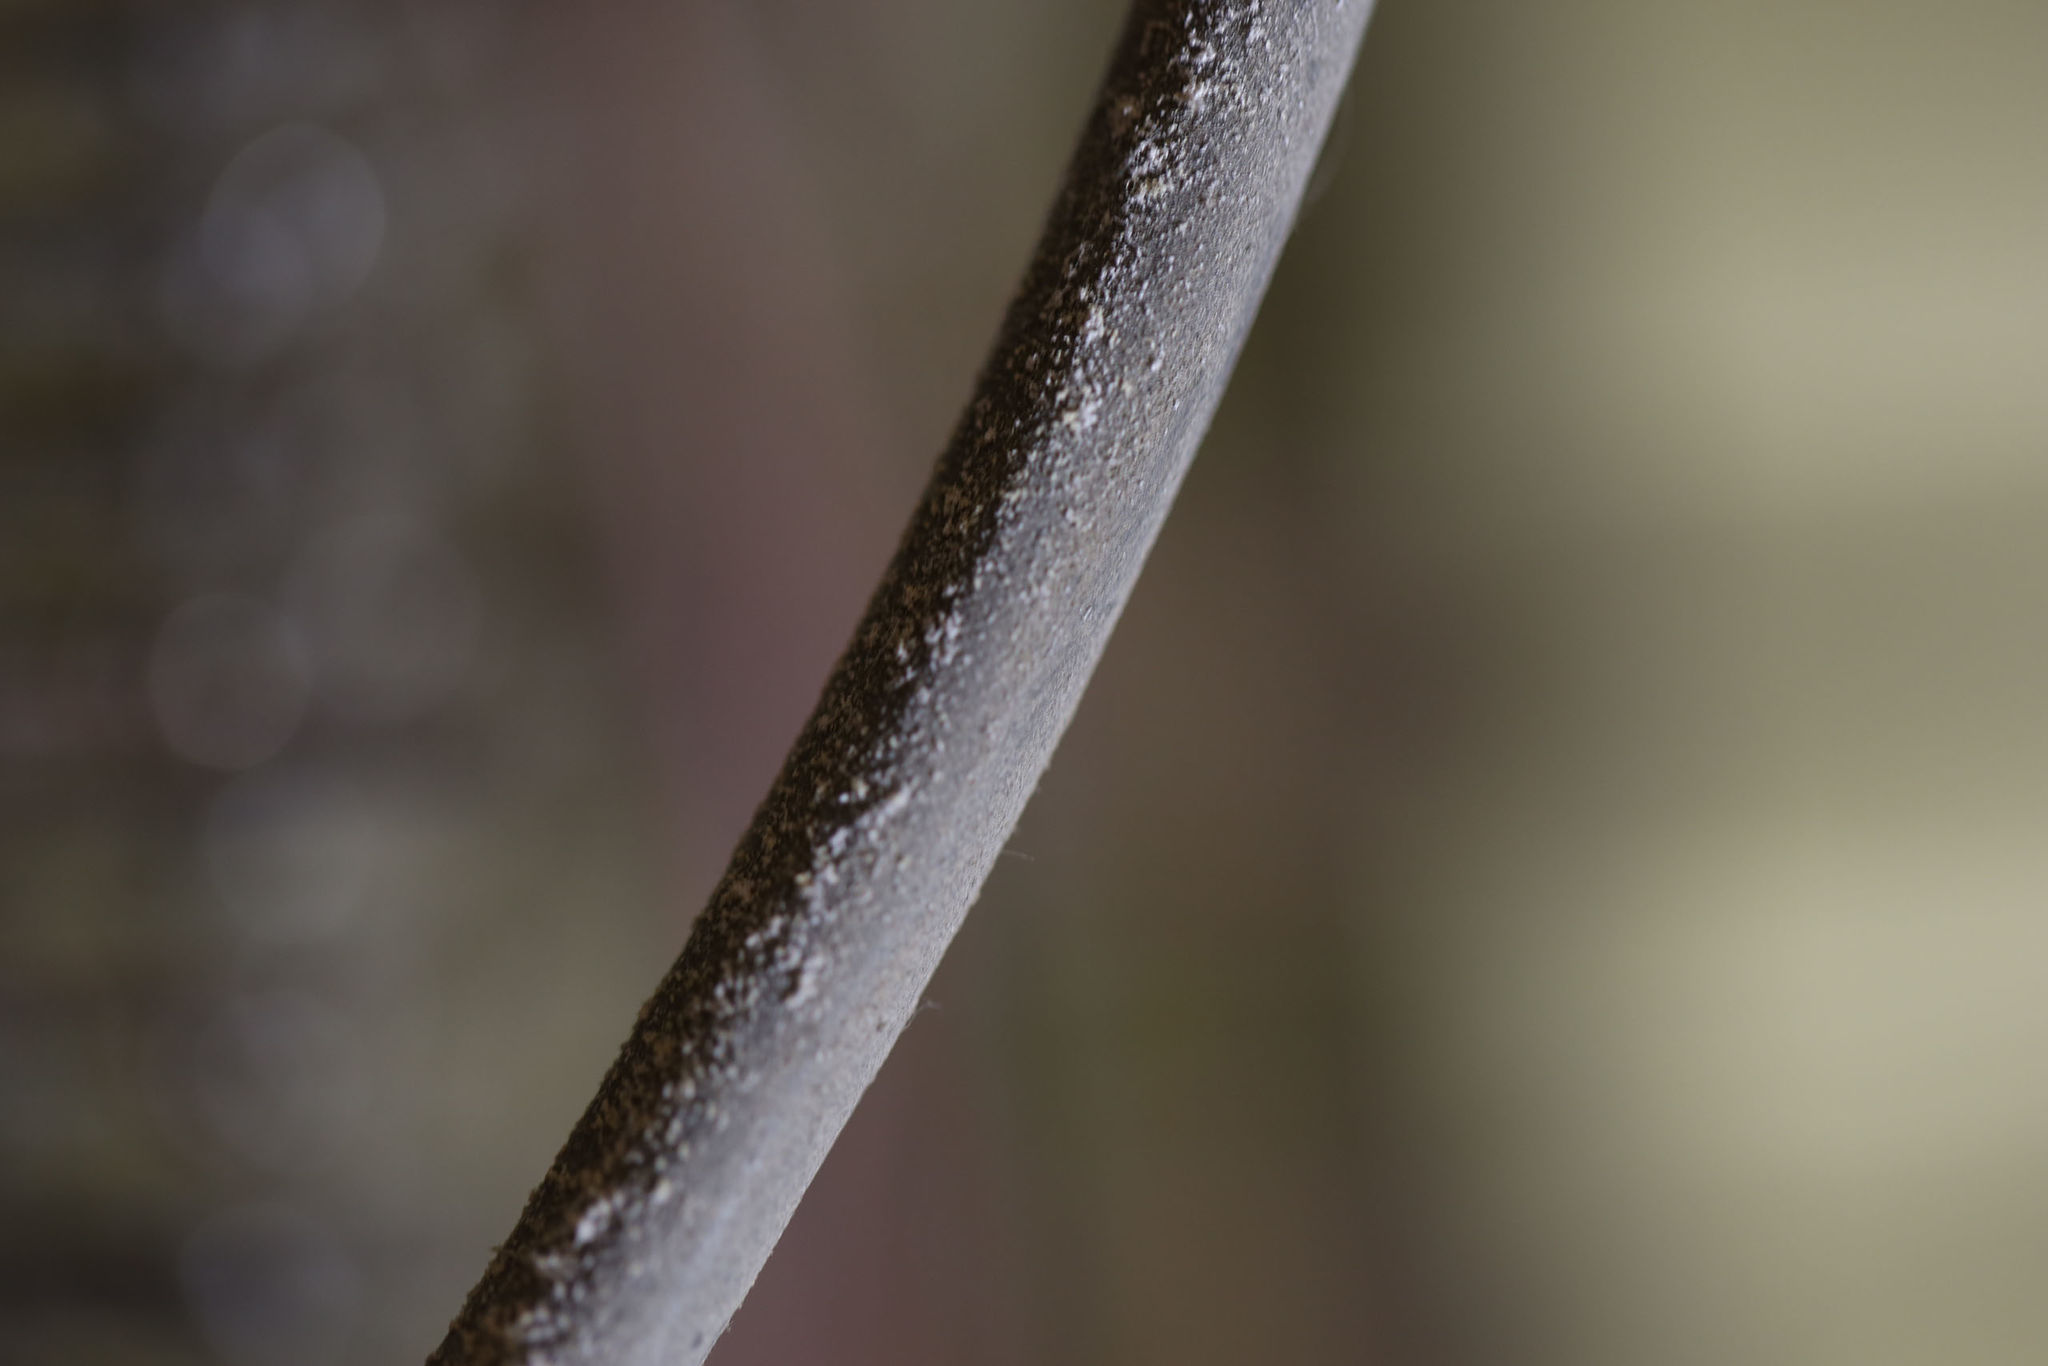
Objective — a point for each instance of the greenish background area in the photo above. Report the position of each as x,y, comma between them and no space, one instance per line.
1550,869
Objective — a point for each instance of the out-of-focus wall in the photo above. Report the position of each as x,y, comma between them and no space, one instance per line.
316,768
1546,872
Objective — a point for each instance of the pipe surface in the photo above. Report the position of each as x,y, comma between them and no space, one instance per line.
640,1242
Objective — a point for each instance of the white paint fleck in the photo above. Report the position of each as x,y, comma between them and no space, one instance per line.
596,1219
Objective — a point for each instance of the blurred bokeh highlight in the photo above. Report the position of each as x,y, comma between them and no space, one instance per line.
1553,869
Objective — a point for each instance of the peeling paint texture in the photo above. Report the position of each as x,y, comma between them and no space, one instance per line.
657,1214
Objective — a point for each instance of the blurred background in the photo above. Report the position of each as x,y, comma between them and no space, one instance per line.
1552,868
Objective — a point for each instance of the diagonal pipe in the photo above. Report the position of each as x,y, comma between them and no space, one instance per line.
672,1189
